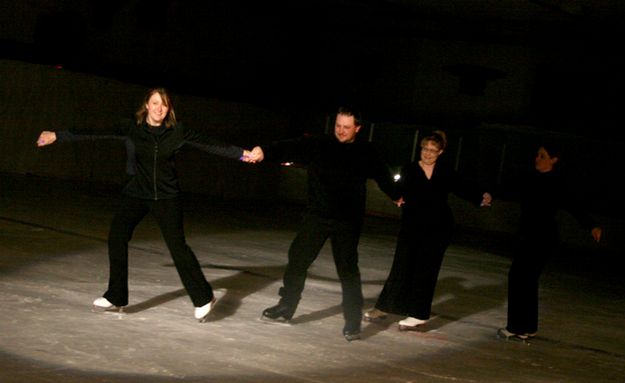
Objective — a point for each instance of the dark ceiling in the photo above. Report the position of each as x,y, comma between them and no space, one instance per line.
279,54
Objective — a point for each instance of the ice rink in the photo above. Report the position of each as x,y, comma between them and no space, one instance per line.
53,263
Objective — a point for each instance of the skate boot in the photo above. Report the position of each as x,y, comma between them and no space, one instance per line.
374,315
280,313
351,331
102,304
410,324
201,313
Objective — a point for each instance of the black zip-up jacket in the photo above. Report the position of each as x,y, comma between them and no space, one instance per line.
151,154
337,173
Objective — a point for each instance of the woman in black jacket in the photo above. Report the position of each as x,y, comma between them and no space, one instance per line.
152,140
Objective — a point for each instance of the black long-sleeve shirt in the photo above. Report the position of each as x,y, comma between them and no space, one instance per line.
542,196
337,173
426,200
151,154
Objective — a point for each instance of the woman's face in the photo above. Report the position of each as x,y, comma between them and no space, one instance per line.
543,161
157,110
430,153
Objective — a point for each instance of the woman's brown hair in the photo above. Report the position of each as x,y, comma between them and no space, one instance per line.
142,112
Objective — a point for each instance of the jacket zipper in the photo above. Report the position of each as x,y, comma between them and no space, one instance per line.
154,169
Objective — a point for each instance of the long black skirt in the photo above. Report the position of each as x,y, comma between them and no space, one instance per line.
409,288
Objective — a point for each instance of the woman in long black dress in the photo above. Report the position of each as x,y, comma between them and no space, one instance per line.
426,231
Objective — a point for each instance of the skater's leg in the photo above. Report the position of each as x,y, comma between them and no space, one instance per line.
394,295
169,215
523,285
303,251
344,238
425,275
131,212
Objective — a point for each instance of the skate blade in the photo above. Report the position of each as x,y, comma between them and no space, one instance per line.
513,338
112,309
217,295
280,321
204,319
409,328
374,319
352,337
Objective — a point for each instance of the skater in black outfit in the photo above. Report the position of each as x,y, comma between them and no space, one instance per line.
543,193
152,140
338,168
425,232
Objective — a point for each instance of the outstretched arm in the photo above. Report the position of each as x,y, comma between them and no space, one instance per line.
46,138
487,199
399,202
118,131
256,155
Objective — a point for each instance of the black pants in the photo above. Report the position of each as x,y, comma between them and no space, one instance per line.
168,214
523,277
313,233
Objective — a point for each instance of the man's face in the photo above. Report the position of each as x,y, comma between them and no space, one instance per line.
345,129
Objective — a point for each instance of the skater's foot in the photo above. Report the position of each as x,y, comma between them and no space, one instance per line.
410,324
374,315
503,333
103,304
280,313
351,331
201,313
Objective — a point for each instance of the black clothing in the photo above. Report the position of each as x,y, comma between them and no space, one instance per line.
337,176
337,173
542,195
425,233
168,215
344,236
151,154
153,188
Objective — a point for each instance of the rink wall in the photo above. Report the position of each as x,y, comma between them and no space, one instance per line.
37,97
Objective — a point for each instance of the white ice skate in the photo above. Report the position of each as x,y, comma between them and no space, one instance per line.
410,324
102,304
201,313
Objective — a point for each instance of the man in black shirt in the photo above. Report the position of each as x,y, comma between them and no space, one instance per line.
338,169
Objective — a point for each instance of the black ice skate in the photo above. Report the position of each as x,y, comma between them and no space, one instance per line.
351,331
281,313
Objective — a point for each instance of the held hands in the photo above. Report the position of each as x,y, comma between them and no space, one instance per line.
46,138
487,199
399,202
596,233
253,156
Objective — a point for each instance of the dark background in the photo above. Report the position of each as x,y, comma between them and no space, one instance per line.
498,75
295,56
